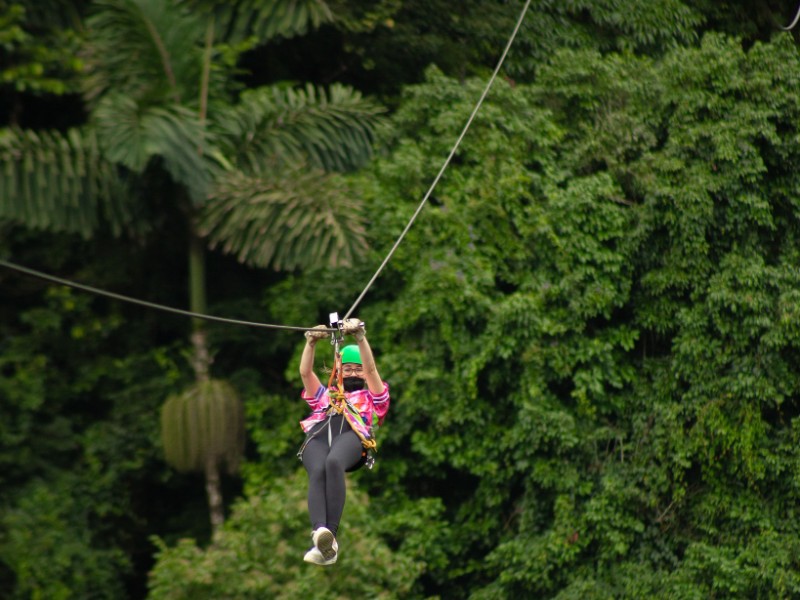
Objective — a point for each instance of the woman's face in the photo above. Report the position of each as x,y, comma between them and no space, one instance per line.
353,377
353,370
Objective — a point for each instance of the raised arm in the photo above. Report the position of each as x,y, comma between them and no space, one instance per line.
356,328
311,382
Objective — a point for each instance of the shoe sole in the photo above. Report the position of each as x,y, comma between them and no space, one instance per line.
314,559
325,545
325,563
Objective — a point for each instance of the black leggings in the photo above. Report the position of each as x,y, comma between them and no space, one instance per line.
326,466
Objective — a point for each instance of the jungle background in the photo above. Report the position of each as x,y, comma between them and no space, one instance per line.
590,333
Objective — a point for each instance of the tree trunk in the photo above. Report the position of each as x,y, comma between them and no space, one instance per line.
201,357
215,510
201,363
197,277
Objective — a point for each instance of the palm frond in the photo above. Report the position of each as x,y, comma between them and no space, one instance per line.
61,182
331,129
149,49
133,137
292,219
238,20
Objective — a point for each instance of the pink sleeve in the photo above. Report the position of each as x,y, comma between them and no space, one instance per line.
380,403
317,400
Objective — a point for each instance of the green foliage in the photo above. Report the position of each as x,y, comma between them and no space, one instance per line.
608,25
275,440
79,447
36,59
402,39
259,551
603,350
590,333
26,377
48,542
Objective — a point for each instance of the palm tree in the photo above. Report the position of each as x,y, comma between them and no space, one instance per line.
255,173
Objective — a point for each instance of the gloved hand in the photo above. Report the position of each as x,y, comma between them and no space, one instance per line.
316,334
354,327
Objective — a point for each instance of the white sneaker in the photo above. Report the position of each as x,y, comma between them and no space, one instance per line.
314,556
326,544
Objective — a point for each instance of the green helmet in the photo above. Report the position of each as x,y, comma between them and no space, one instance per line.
351,354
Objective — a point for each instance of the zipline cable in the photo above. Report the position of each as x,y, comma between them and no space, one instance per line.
446,162
796,19
161,307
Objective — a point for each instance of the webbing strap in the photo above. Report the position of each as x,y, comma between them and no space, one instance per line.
339,403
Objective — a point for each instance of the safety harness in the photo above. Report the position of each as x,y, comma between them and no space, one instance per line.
340,406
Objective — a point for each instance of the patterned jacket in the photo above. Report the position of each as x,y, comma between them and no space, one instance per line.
371,407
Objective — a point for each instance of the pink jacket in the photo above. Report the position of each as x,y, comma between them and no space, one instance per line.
371,407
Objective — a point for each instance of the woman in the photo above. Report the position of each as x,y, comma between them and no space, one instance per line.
338,432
